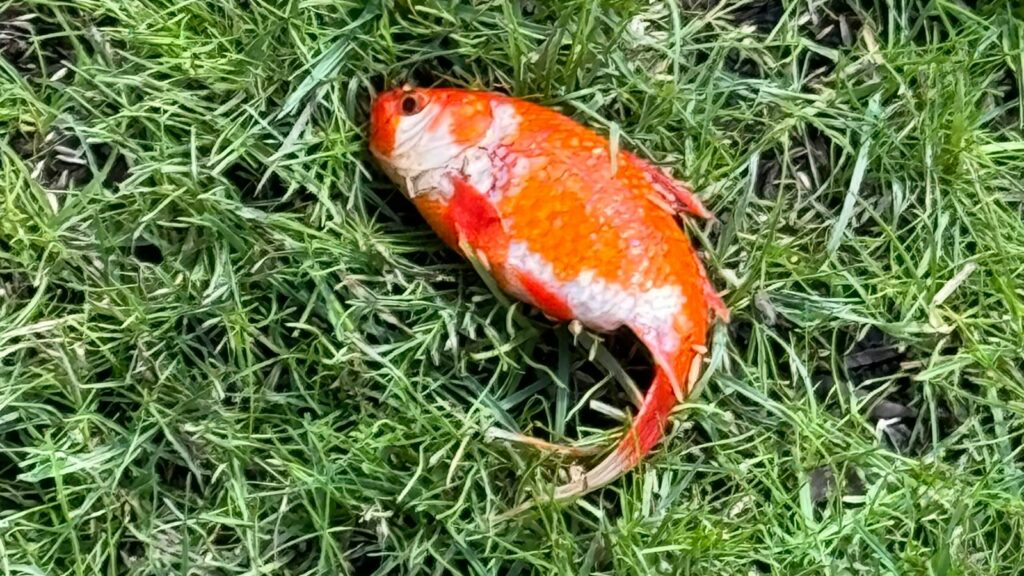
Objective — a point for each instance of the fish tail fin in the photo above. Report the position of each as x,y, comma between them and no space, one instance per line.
676,373
646,430
671,384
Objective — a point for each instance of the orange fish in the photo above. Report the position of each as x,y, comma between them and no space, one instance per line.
563,222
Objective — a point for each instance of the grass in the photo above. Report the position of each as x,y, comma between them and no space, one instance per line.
228,346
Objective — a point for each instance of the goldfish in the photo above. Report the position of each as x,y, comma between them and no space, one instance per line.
564,221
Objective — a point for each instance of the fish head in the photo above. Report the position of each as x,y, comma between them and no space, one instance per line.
424,130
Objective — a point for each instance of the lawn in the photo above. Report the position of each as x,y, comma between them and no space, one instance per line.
229,346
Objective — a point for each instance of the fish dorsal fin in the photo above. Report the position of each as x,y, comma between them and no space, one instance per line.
672,195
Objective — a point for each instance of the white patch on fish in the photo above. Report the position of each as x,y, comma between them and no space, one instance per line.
423,159
606,306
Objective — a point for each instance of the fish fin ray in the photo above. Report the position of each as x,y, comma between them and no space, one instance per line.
711,295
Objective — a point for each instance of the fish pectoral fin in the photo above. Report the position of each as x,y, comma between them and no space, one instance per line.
478,227
672,195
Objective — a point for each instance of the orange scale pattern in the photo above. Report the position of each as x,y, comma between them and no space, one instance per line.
579,216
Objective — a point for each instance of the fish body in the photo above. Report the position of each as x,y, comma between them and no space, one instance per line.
562,221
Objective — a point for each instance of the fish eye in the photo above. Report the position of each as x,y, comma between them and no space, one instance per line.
411,104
